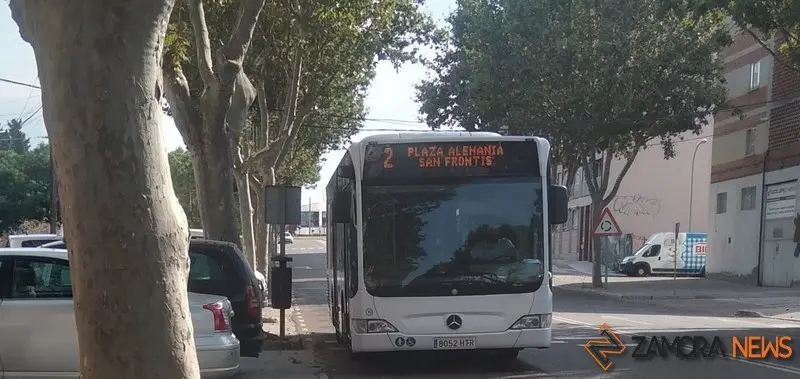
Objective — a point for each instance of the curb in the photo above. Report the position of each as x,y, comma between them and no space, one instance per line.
605,293
745,313
749,313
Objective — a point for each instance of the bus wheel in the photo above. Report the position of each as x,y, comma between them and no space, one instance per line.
508,354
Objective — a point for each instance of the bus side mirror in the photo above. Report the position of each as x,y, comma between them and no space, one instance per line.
558,210
341,209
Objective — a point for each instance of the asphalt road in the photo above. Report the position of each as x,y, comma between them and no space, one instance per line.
576,320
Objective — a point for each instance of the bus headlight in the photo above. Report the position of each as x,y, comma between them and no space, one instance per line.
533,322
372,326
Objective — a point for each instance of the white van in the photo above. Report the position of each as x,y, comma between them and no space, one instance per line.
657,255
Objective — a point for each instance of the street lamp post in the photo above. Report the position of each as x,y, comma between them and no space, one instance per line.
691,183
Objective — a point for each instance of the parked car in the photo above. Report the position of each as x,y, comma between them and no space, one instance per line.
219,268
31,240
60,244
289,237
39,339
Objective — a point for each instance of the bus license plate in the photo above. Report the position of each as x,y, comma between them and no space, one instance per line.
453,343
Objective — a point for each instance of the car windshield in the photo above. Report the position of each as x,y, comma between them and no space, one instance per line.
480,237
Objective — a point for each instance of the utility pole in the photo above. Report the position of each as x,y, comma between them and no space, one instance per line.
53,194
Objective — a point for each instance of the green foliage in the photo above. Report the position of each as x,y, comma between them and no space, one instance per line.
770,17
180,167
25,184
589,75
13,138
338,44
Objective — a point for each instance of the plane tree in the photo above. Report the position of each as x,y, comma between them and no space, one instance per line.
762,20
99,67
601,80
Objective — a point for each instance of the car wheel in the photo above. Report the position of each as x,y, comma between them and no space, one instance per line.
641,271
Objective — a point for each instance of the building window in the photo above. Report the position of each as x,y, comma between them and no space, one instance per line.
755,75
749,141
722,202
748,198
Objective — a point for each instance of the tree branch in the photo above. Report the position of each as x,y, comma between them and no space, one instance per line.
778,56
607,158
201,41
589,177
263,113
290,104
176,89
242,34
621,176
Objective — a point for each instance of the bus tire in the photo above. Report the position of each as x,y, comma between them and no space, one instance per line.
508,354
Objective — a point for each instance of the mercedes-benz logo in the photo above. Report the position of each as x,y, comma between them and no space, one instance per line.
453,322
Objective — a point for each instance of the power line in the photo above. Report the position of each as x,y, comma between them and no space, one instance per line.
19,83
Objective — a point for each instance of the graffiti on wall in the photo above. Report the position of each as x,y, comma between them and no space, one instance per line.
636,205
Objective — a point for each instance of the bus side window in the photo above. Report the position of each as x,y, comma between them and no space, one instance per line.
352,243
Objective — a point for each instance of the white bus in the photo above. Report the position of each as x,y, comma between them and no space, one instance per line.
441,241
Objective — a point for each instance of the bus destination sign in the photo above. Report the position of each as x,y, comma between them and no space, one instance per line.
490,158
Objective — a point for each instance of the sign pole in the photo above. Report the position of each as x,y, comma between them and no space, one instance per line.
675,260
606,227
605,256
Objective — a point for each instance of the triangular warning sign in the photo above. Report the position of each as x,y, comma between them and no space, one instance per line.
607,226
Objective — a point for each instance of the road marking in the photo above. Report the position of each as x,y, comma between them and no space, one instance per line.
626,319
765,364
576,322
766,324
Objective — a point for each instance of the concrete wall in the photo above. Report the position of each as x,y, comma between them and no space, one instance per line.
733,235
733,244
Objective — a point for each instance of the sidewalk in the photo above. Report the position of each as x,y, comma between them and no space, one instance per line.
742,300
292,359
564,267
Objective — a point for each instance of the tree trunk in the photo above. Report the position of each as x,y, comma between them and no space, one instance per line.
265,236
246,215
597,253
213,175
261,235
100,70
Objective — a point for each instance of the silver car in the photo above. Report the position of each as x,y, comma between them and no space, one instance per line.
38,338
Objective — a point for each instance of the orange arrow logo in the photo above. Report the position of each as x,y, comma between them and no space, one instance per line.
600,349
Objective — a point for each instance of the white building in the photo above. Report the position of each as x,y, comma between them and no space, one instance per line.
653,196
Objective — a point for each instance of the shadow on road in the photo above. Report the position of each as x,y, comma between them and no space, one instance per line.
336,363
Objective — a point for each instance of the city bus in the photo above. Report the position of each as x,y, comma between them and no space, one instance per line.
441,241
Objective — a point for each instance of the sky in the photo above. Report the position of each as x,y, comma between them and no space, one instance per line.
390,102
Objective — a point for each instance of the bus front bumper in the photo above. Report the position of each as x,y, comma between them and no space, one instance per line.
509,339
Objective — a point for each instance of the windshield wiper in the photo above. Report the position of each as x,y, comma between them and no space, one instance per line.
483,277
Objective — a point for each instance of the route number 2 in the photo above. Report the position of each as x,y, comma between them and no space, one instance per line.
387,162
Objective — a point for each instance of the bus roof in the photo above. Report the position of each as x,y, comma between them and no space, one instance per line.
433,136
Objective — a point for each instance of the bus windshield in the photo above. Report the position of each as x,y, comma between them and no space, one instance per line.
476,237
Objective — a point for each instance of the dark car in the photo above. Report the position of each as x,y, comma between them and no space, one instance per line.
219,268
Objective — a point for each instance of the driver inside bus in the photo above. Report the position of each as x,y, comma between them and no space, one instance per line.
488,243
